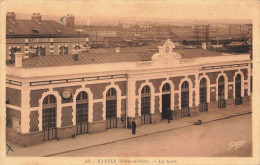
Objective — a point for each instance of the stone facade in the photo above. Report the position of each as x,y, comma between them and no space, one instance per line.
97,112
157,83
66,116
11,115
14,96
122,86
35,96
98,88
34,121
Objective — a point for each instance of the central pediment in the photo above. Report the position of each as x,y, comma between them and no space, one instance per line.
166,53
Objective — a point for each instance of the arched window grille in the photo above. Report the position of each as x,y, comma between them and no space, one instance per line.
203,95
221,92
145,105
166,87
185,94
82,112
238,97
111,108
49,108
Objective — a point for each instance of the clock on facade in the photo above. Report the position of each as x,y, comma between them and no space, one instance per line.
66,94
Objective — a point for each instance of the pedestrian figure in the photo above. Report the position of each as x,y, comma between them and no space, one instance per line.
133,127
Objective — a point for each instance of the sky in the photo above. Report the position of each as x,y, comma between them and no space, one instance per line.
139,9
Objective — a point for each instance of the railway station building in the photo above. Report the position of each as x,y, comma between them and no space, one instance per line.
57,97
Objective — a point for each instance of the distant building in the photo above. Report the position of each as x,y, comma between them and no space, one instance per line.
239,47
38,37
115,41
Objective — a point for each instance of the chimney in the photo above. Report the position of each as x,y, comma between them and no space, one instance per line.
37,17
117,49
18,59
204,45
11,17
70,21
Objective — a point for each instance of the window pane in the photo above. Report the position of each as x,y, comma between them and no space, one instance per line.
82,113
221,79
110,108
49,118
185,99
166,87
146,90
145,105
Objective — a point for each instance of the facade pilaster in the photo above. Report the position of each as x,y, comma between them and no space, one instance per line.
197,90
25,109
131,97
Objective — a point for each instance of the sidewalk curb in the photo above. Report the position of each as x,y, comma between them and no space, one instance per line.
147,134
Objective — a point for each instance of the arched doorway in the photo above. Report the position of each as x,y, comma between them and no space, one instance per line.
203,95
82,113
146,105
185,99
221,92
166,100
49,126
111,108
238,98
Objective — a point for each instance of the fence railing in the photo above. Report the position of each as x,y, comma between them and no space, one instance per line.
238,101
222,103
203,107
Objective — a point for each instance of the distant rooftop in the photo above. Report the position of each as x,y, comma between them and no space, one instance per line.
36,27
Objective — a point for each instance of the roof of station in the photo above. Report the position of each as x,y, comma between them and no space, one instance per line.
99,56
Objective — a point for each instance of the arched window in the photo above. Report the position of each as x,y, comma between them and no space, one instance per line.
82,113
185,86
111,93
238,98
82,96
49,117
145,105
221,86
145,90
221,79
166,100
185,94
166,87
185,99
203,90
111,108
203,82
203,95
238,78
221,92
49,100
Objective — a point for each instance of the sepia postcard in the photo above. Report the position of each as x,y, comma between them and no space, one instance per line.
115,82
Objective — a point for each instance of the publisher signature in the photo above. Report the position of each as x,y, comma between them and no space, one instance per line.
236,144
